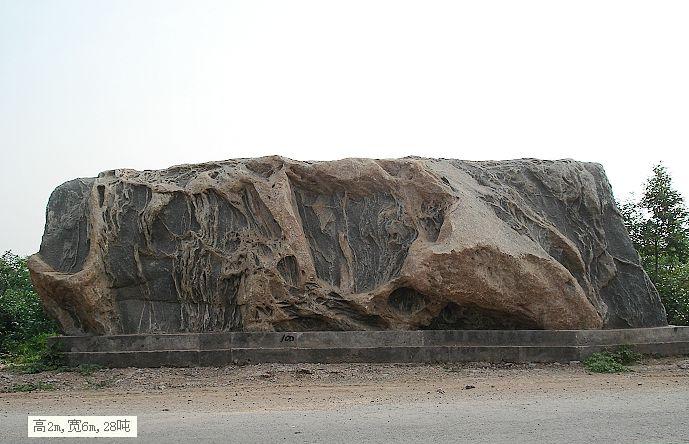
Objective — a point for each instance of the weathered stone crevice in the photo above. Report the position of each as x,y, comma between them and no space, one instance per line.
356,242
289,270
433,216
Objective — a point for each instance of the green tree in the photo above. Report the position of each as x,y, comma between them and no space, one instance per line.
658,224
635,222
666,227
21,313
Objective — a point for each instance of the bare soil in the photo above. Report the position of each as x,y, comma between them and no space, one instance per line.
277,386
347,403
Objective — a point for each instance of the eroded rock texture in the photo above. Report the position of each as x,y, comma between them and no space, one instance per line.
276,244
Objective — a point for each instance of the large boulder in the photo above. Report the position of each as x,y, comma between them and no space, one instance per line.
355,244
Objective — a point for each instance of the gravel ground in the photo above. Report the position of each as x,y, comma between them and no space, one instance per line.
340,402
153,380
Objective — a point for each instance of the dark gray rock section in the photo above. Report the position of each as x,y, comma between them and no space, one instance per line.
528,192
174,280
66,243
378,245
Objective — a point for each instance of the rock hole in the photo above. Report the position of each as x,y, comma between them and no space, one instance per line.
406,300
433,222
473,317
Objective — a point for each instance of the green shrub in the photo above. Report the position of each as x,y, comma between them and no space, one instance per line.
673,286
34,355
24,326
21,313
612,362
604,362
626,355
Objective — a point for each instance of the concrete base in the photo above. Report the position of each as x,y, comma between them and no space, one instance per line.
217,349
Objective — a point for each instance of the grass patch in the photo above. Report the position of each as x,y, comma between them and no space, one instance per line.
612,362
87,369
30,387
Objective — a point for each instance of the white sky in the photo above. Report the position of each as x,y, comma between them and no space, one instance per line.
87,86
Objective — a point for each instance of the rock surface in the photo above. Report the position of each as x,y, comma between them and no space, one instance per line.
355,244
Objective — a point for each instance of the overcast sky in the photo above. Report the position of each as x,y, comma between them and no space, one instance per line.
87,86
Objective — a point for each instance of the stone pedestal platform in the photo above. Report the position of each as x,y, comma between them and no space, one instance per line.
419,346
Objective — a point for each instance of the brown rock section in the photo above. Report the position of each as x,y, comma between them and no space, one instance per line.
355,244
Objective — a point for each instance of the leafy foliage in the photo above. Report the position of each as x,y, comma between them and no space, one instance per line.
34,355
665,231
673,286
626,355
612,362
603,362
24,326
658,225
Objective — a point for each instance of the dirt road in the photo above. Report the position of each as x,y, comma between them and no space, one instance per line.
369,403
